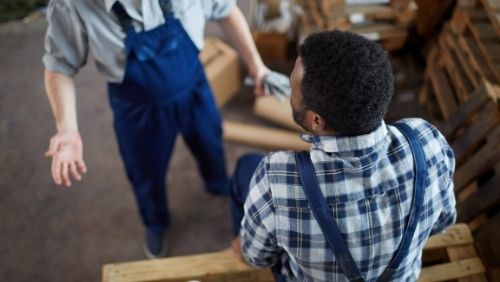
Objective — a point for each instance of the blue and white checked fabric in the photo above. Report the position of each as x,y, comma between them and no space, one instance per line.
368,183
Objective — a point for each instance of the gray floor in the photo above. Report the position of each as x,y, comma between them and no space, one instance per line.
49,233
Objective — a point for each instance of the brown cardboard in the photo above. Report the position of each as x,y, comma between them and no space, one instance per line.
222,69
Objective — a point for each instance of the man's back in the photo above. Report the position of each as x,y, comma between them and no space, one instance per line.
367,181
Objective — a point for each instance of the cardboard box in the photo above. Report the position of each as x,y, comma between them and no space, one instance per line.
222,68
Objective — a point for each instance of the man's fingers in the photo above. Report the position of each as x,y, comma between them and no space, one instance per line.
65,175
81,165
56,170
74,171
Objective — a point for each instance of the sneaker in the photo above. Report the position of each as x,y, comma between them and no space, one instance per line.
155,245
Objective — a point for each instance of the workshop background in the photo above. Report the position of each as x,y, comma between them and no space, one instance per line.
445,56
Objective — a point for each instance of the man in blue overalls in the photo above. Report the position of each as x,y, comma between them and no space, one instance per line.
148,51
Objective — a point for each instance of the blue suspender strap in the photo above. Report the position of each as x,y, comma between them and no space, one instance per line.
123,18
420,169
126,21
322,214
166,7
327,224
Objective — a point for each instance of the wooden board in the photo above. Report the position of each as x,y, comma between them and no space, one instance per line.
220,266
271,109
443,90
452,270
486,158
263,137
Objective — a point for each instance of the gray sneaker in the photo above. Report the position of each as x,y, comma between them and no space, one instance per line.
155,245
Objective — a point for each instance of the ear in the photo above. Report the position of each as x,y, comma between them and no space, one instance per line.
315,123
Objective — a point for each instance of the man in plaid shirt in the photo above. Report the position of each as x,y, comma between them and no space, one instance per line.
341,86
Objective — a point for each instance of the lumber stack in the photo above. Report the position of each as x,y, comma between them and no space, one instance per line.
447,256
462,94
474,134
466,54
386,21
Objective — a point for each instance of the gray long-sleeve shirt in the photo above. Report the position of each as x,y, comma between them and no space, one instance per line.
77,26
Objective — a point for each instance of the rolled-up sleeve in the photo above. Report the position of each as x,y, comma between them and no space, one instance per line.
66,43
217,9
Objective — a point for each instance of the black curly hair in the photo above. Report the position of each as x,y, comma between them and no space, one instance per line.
347,80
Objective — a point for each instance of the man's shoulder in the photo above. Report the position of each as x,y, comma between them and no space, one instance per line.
424,129
278,159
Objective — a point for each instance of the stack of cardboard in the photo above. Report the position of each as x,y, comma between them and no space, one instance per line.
222,69
384,21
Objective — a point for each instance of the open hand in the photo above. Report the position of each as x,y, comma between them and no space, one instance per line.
66,150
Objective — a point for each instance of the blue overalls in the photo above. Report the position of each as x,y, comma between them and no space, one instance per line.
240,188
164,92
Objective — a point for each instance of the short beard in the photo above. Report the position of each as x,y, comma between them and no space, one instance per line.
299,118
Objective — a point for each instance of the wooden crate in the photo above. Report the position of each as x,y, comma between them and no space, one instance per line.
474,133
447,256
384,23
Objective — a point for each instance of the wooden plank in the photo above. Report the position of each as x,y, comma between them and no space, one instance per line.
275,111
485,32
460,81
452,44
455,235
220,266
477,222
444,91
485,198
460,118
487,242
492,5
476,132
486,158
452,270
476,60
467,192
465,252
263,137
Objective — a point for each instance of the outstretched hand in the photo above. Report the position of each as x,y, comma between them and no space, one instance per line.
66,150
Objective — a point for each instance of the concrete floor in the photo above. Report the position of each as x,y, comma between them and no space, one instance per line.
48,233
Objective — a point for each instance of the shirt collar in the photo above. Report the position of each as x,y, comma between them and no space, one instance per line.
332,144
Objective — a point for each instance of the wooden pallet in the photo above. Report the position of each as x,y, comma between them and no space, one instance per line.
466,53
447,256
473,131
384,23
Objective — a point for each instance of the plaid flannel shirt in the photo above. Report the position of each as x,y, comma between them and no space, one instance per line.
368,183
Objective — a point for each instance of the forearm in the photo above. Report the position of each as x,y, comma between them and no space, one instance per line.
60,90
238,32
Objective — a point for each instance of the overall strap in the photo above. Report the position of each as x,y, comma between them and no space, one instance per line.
123,18
323,215
166,7
126,21
420,169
